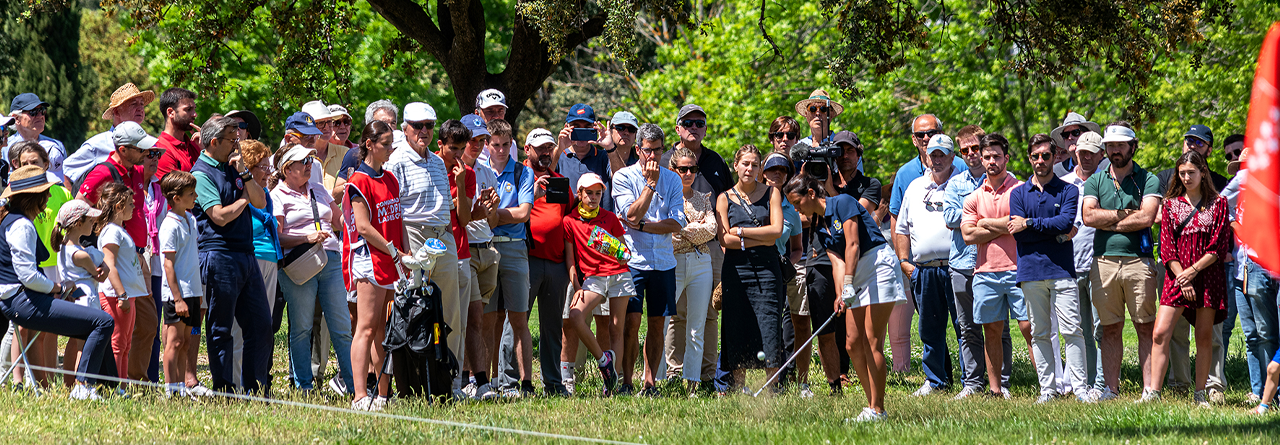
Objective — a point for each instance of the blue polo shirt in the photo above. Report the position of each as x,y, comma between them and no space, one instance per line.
841,208
909,172
1050,211
217,183
511,194
959,187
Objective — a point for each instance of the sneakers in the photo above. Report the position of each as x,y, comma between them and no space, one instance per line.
337,385
608,373
1089,396
968,391
1201,398
379,403
1148,396
805,392
485,392
1046,398
923,391
569,388
1104,394
868,415
1004,392
200,390
1217,397
649,391
1253,399
470,390
1260,409
625,390
364,404
84,392
512,393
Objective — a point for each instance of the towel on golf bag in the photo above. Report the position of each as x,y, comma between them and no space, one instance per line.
417,341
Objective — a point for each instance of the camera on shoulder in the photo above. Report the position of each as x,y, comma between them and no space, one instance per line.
825,152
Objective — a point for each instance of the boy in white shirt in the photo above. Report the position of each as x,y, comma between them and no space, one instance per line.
181,289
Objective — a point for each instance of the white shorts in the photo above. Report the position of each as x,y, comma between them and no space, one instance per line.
362,268
612,286
867,279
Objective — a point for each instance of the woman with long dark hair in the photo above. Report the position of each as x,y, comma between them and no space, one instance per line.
1195,235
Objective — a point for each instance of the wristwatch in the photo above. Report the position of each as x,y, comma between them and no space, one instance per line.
246,176
902,261
641,225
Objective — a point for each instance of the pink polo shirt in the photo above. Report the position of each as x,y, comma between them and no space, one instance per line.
1001,254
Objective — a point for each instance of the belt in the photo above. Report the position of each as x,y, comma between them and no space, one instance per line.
506,239
484,245
934,263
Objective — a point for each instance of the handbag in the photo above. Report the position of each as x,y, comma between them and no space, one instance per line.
788,269
306,260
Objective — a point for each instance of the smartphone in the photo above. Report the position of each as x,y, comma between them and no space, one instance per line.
558,190
584,134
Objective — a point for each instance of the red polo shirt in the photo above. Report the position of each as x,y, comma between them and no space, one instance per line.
546,225
178,155
132,177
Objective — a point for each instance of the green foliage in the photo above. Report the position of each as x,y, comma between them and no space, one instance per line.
46,61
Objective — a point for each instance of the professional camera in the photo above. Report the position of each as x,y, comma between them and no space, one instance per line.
826,152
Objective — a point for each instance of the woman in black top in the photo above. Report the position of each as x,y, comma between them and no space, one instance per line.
750,221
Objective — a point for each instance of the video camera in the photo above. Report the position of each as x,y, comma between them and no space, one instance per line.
826,152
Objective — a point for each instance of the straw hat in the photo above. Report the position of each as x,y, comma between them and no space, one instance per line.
28,179
124,94
818,97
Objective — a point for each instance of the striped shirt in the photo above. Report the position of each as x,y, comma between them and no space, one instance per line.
478,230
424,186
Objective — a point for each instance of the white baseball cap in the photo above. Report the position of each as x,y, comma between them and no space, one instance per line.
588,180
418,112
339,110
130,133
539,137
318,110
1090,141
490,97
940,142
1117,133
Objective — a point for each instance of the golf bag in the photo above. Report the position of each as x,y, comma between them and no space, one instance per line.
417,343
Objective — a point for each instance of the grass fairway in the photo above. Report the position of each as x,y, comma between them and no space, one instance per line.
148,418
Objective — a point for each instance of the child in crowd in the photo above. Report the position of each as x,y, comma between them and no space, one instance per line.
125,280
596,277
181,288
82,267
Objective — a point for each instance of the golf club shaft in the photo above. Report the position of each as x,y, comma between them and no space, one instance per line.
796,354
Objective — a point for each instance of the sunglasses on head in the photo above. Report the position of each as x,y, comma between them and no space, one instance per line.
926,134
424,125
692,123
783,135
687,169
1073,133
819,108
624,129
1042,156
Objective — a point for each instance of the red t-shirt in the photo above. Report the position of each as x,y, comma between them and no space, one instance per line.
547,228
460,230
178,155
591,262
132,177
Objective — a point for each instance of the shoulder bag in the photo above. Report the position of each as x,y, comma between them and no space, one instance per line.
306,260
787,268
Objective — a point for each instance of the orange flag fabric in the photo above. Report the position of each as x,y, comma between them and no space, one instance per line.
1259,207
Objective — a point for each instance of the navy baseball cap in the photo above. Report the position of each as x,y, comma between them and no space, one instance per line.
476,125
26,102
1200,132
302,123
581,112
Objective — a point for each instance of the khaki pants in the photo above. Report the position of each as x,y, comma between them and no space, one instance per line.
145,328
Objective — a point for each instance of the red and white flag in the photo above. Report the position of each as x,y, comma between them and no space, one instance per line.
1259,209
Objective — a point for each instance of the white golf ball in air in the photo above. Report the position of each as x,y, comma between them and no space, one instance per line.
760,355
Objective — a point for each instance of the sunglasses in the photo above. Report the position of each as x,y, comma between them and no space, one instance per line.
926,134
688,169
624,129
1196,142
1042,156
424,125
791,135
37,112
344,122
153,154
818,108
969,150
932,206
1072,134
242,125
691,123
1231,155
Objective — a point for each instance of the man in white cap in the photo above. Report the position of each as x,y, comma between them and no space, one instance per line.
125,165
127,105
1041,211
328,152
29,114
923,128
1065,136
1088,157
341,126
620,143
923,250
491,104
1122,203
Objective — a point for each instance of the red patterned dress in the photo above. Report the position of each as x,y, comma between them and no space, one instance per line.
1209,231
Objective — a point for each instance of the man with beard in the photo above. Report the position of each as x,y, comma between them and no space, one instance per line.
1122,202
30,114
127,105
1042,209
178,105
1088,157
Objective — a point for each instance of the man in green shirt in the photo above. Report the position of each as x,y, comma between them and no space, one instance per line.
1122,203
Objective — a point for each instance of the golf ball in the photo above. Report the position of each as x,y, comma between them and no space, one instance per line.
760,355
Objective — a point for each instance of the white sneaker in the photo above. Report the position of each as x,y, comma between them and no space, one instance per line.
1046,398
1217,397
968,391
1260,409
200,390
84,392
485,392
1104,395
568,386
1148,396
337,385
1201,398
868,415
470,390
1253,399
923,391
805,392
364,404
379,403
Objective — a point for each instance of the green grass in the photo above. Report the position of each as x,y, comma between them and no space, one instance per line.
147,417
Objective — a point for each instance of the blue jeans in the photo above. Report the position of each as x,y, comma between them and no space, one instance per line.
235,293
327,290
1256,305
41,312
934,303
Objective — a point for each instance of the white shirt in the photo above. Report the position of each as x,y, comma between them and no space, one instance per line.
1232,193
178,235
478,231
57,152
424,186
924,223
22,241
1082,243
128,264
92,152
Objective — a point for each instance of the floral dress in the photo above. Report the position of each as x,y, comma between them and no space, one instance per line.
1209,231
